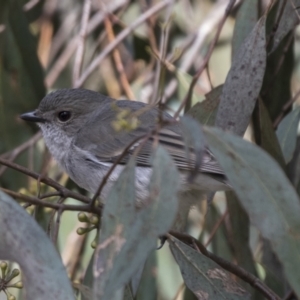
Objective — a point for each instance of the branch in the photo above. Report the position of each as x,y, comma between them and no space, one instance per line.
118,61
13,154
67,53
206,58
81,40
57,206
63,191
232,268
119,38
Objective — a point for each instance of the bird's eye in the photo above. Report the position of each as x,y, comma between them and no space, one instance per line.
64,116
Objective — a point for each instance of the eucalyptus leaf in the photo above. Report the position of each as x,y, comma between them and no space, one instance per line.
265,193
240,240
264,133
276,89
203,276
243,82
23,241
287,134
127,293
147,289
129,233
289,20
205,112
245,21
86,294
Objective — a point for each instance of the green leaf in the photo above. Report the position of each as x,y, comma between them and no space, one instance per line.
203,276
220,245
245,21
205,112
264,133
88,281
243,82
147,288
287,133
276,90
129,233
24,242
127,293
265,193
289,20
240,239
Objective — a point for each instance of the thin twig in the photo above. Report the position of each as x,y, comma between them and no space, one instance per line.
232,268
36,201
158,85
206,58
118,61
65,56
81,40
56,227
13,154
119,38
190,53
30,5
64,192
48,195
216,227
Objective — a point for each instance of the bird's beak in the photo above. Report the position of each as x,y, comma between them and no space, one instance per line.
32,117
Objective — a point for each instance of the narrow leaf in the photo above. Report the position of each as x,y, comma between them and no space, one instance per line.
245,21
287,134
266,194
119,212
264,133
205,112
24,242
243,82
289,20
203,276
129,233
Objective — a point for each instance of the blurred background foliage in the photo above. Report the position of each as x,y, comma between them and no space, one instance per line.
47,44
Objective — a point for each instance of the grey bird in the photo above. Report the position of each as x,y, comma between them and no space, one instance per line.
80,128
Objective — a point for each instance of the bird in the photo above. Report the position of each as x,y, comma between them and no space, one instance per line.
86,132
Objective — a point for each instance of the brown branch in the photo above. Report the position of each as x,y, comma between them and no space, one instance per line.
232,268
158,85
81,40
120,37
56,227
118,61
13,154
65,56
57,206
63,191
216,227
206,59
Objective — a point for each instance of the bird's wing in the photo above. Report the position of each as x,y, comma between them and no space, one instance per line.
106,145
